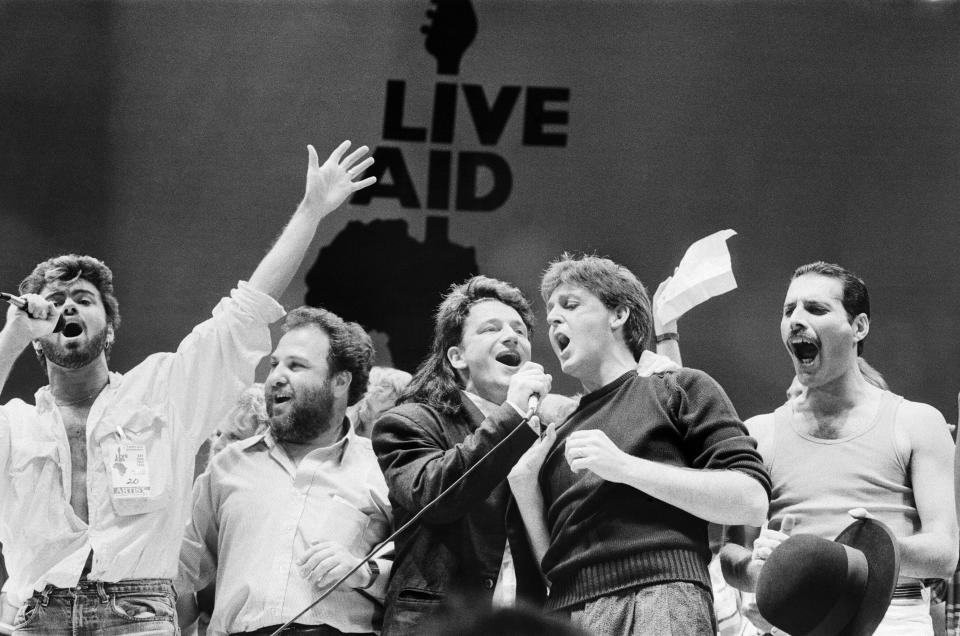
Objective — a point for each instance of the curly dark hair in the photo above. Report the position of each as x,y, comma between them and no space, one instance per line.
436,382
67,268
70,267
351,348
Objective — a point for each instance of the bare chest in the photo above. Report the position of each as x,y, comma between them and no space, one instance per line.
840,425
75,425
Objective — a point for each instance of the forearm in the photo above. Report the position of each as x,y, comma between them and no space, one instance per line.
10,349
417,467
670,346
719,496
529,500
670,349
928,555
280,265
187,610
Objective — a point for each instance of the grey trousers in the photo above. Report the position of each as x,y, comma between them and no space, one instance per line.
667,609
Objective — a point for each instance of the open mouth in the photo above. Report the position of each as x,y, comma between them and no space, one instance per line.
281,398
510,358
805,351
72,330
562,341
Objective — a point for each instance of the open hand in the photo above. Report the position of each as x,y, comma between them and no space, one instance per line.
329,184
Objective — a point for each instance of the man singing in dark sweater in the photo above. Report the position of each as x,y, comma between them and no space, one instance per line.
616,501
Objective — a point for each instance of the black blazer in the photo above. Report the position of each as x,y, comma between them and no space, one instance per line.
456,547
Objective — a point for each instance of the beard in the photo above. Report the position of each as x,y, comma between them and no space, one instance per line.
75,358
307,417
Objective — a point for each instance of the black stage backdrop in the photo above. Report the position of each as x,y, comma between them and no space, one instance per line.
169,140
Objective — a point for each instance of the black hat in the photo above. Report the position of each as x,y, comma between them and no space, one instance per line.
810,586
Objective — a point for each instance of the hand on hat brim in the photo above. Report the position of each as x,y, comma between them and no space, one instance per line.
767,542
860,513
770,539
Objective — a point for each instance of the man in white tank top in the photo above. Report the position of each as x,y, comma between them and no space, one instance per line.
844,445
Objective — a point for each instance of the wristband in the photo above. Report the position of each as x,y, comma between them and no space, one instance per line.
374,573
670,335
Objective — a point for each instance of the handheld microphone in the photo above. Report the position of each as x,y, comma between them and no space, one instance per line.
533,404
20,303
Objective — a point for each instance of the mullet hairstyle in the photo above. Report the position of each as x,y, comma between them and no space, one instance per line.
351,348
615,286
855,298
436,383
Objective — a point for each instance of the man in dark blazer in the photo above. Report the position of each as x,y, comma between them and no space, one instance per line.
468,396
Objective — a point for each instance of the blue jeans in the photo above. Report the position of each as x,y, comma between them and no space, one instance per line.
137,606
666,609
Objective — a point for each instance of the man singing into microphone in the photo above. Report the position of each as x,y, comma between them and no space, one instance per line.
470,394
636,472
95,478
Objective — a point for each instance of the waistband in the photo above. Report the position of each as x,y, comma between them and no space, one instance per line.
633,570
913,590
99,588
297,629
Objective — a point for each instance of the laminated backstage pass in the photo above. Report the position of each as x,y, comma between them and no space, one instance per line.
129,473
704,272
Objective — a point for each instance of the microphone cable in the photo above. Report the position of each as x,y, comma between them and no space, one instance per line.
410,522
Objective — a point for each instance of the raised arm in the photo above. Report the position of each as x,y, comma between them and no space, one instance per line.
666,335
328,186
21,328
419,464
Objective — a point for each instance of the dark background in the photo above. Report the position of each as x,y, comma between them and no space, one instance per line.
169,140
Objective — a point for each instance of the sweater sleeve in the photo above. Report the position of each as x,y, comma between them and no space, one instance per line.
418,465
714,436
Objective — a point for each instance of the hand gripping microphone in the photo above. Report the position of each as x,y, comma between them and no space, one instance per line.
533,403
20,303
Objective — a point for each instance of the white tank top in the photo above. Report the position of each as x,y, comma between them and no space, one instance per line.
819,480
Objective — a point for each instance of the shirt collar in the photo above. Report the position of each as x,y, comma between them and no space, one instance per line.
486,407
45,401
337,449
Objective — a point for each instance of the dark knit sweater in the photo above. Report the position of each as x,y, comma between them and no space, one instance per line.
605,536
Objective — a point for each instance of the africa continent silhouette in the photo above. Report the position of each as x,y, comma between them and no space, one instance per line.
378,275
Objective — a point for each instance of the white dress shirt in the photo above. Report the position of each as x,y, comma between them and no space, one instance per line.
254,513
166,405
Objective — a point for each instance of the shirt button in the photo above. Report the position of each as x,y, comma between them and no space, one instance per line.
488,583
